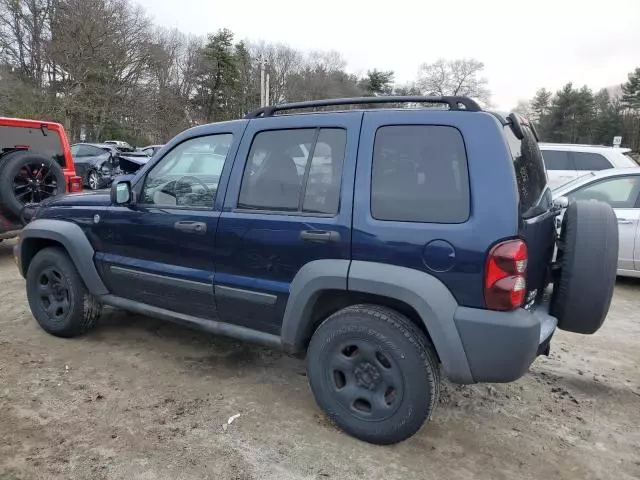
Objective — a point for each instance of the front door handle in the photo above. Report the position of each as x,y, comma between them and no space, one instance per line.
624,221
320,236
191,227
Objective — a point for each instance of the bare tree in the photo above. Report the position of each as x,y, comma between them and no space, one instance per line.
454,77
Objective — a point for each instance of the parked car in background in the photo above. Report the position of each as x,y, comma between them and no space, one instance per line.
620,188
35,165
96,163
121,145
565,162
412,244
99,163
151,150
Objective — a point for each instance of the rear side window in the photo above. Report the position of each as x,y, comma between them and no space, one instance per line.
557,160
294,171
45,142
590,161
420,174
531,176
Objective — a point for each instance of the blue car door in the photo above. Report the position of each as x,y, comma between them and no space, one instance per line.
289,202
160,250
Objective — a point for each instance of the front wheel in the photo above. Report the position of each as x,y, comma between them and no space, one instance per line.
374,373
57,296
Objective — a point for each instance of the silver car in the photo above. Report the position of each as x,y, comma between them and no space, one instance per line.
620,188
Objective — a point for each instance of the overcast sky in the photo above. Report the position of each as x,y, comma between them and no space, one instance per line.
524,45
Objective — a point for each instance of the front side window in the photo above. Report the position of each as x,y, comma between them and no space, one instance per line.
420,174
617,192
188,175
294,171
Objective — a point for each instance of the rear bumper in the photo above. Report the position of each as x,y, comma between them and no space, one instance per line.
500,346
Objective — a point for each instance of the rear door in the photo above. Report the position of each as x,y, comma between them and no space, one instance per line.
289,203
560,167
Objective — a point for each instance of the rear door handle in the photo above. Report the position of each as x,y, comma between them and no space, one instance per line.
320,236
191,227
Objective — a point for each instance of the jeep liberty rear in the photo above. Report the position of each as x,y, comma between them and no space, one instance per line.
390,246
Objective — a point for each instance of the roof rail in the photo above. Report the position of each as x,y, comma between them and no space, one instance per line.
453,102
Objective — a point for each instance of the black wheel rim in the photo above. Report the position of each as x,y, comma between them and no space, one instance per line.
53,293
93,180
365,380
34,183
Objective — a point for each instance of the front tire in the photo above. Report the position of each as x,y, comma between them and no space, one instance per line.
58,297
374,373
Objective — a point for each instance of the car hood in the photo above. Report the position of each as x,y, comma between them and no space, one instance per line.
87,199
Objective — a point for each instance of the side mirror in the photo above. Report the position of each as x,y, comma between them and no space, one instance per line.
121,193
561,203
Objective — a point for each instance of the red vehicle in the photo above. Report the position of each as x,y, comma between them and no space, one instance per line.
35,164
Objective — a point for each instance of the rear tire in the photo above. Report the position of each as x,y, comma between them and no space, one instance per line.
58,297
587,262
93,180
374,373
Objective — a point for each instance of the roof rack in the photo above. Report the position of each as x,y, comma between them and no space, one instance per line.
454,103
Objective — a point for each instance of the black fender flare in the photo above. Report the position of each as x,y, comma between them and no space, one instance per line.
74,241
427,295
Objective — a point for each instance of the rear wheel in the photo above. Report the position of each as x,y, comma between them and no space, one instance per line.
374,373
586,266
57,296
93,180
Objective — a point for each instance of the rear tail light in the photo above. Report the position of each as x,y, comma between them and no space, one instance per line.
505,284
75,184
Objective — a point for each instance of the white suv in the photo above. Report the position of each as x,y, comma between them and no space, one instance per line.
566,162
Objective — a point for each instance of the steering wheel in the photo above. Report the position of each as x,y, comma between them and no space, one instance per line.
189,180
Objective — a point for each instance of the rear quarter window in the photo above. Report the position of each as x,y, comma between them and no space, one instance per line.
49,145
590,161
420,174
531,175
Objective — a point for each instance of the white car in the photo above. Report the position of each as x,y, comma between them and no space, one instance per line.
620,188
566,162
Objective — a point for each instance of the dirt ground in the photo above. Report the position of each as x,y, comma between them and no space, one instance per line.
141,399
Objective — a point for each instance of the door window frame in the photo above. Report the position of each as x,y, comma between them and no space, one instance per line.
317,131
141,183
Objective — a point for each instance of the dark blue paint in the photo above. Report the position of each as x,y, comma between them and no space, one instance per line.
262,252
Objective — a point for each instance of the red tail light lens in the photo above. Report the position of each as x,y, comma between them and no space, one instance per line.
75,184
505,282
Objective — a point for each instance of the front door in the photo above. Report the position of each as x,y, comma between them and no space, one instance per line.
160,251
288,203
622,193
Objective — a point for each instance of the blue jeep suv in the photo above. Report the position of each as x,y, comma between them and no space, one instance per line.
388,245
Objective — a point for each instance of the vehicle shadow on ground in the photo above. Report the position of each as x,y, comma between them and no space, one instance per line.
197,350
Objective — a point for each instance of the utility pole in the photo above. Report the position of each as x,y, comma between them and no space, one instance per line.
262,79
264,83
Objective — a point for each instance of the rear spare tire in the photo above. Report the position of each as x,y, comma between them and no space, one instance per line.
27,177
587,262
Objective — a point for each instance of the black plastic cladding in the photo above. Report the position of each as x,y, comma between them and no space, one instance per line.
453,102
